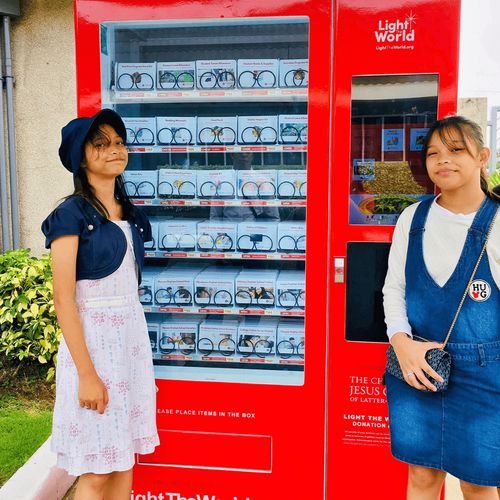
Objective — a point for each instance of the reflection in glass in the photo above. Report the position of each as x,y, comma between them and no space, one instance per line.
390,117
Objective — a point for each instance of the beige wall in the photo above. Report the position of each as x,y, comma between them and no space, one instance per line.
476,109
43,50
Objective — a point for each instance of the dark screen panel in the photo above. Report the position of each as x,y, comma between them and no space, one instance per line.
366,270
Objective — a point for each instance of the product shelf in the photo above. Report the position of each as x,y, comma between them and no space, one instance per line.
255,148
224,255
292,313
218,203
204,95
235,358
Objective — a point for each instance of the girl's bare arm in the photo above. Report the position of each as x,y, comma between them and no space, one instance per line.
92,391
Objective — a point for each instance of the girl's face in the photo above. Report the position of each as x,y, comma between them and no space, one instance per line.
106,156
455,165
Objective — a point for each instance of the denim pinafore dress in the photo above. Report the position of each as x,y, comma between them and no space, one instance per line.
458,430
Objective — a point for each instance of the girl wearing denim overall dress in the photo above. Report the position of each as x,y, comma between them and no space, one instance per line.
435,247
105,409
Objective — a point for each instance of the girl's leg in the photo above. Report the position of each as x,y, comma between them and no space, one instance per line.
119,486
475,492
91,486
424,483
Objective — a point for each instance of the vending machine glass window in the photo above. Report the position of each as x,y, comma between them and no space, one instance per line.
391,115
390,118
216,118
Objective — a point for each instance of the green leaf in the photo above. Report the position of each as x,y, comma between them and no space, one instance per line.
49,329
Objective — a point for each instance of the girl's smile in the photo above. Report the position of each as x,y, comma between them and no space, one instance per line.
453,162
107,155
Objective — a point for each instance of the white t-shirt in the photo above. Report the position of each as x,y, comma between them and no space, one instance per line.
443,240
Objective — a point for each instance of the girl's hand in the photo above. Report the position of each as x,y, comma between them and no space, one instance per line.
411,357
92,393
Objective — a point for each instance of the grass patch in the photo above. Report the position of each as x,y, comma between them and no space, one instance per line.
22,431
26,402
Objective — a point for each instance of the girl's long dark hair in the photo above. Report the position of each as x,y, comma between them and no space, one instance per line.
85,190
465,129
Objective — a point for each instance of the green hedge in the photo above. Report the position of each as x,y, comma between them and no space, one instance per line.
29,329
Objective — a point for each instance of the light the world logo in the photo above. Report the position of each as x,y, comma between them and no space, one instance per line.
479,290
396,31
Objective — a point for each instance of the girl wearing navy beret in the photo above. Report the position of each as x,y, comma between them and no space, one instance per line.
105,390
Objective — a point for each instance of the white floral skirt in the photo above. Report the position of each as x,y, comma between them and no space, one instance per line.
118,342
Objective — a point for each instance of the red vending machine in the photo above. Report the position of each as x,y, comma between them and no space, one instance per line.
272,146
216,98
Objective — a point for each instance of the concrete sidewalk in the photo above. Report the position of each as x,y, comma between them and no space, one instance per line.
38,478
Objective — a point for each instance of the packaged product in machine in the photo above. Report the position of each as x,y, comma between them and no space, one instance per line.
213,184
257,184
140,131
216,130
178,337
176,75
292,237
174,288
257,73
291,289
256,288
216,235
290,340
292,184
214,287
135,76
140,183
292,129
177,235
257,337
176,183
216,74
217,338
153,244
294,73
255,236
257,129
153,325
146,288
175,130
